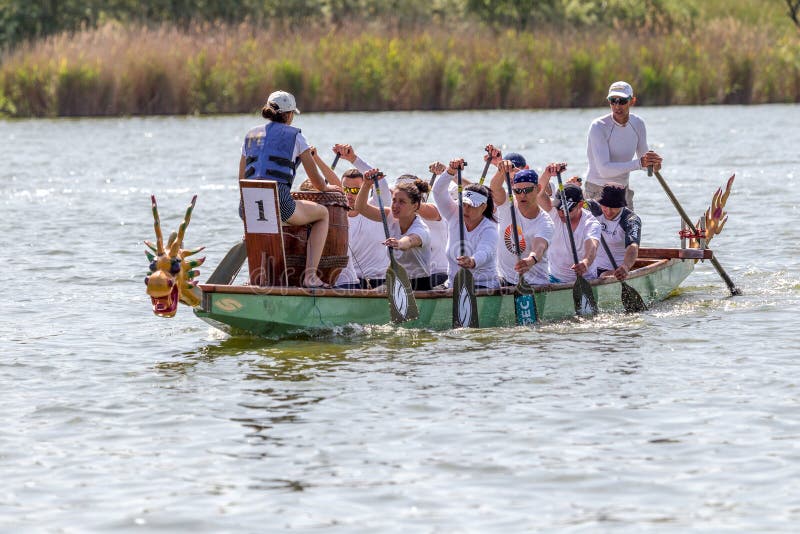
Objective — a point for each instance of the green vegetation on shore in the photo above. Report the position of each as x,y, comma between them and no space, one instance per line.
133,69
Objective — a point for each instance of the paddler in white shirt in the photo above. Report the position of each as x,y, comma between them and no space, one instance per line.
480,235
408,233
585,228
368,260
438,229
535,227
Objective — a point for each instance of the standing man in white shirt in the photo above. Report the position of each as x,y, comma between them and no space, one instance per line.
617,145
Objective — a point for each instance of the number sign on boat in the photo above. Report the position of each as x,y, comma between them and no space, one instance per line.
263,236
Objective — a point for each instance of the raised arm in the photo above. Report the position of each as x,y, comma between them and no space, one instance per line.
441,193
498,183
429,212
347,152
362,205
313,173
544,185
328,173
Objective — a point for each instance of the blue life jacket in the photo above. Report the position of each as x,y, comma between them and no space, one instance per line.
268,153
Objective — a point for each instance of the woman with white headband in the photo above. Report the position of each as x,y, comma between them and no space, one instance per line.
480,235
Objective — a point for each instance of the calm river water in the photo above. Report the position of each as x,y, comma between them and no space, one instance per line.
683,418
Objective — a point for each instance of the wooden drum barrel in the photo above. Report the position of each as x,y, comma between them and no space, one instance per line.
334,254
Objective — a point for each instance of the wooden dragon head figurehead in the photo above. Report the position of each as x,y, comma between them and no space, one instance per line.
172,275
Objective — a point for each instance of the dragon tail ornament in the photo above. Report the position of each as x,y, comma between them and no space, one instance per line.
715,217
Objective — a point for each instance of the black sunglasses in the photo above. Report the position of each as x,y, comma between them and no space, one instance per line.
523,190
621,101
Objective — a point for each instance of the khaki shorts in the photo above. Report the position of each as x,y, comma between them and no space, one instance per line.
593,191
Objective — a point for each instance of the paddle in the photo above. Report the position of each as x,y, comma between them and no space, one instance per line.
731,286
402,304
631,299
465,303
485,170
581,291
524,303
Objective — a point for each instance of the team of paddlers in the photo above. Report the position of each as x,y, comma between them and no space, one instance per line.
421,220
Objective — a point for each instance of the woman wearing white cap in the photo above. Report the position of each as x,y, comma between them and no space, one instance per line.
617,145
480,236
272,152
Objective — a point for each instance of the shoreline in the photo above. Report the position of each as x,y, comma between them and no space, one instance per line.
118,71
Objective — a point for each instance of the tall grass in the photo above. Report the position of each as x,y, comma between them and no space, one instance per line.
119,70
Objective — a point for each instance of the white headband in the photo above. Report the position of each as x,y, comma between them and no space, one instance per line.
474,199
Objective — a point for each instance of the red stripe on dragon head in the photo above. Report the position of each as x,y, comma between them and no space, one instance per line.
172,277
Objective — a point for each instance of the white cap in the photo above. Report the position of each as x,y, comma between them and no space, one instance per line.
620,88
284,101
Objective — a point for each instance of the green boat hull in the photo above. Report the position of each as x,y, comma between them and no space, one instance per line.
281,312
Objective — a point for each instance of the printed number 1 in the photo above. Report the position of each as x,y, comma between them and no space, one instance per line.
261,210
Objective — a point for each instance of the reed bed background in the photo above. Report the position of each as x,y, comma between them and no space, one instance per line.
124,70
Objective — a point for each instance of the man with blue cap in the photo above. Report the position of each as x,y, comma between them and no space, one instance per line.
534,226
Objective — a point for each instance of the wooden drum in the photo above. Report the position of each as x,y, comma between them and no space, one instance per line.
334,254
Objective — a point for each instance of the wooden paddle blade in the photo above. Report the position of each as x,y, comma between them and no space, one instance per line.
583,297
525,304
230,265
465,303
402,304
631,300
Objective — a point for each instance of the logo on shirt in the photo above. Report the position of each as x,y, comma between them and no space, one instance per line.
508,238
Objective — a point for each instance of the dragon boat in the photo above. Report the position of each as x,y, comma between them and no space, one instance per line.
269,305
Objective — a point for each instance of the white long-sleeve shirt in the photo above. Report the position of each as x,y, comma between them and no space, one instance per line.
480,243
614,151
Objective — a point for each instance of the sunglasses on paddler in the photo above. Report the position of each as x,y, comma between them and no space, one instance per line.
351,190
617,100
523,190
